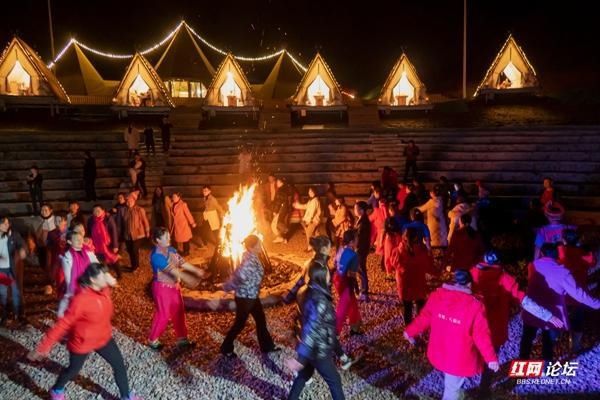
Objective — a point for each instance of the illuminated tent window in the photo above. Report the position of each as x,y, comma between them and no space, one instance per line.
197,89
140,93
179,88
403,93
318,92
512,77
231,94
18,80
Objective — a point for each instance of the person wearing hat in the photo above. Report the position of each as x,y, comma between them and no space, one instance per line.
549,284
553,232
499,290
460,341
578,259
245,282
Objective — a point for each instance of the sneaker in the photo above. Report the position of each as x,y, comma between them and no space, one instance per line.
354,332
184,344
57,394
278,240
133,396
155,345
309,381
346,362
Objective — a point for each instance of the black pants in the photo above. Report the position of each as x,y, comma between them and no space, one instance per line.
328,370
111,353
133,249
244,308
37,199
549,337
150,145
409,314
410,165
141,184
362,269
186,248
90,189
166,140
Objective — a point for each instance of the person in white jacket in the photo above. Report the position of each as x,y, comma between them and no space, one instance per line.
312,216
461,208
74,263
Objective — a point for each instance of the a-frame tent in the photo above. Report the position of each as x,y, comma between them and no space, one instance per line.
318,86
229,87
23,74
403,86
141,86
510,70
78,75
183,67
282,80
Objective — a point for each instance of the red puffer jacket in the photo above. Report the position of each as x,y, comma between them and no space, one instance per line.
410,271
87,322
498,290
460,340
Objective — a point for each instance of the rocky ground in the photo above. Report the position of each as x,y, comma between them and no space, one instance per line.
390,368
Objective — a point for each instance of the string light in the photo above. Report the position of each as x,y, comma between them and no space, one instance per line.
165,40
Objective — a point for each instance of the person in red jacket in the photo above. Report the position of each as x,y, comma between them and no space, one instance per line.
499,290
466,246
412,261
578,260
87,324
459,340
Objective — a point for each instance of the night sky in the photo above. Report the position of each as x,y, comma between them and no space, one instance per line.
360,41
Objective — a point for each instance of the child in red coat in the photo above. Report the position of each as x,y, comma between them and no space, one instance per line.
412,261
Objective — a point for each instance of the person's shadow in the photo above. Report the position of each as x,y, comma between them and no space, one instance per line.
10,368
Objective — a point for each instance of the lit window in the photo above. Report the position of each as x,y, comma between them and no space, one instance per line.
403,93
231,94
140,93
197,89
514,75
18,81
179,89
318,93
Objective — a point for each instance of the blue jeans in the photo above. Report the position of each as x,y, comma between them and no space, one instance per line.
16,297
328,370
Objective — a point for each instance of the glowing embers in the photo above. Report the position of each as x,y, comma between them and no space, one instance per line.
403,93
318,93
18,81
231,94
140,94
511,77
239,222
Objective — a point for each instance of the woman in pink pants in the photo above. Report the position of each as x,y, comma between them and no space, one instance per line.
167,266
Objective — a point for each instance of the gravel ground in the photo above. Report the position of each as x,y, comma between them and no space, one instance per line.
389,369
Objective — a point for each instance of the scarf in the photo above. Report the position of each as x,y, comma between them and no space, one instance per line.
81,260
101,240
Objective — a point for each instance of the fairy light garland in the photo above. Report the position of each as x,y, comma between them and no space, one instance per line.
165,40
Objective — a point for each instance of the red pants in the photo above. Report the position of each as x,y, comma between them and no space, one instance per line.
347,306
169,307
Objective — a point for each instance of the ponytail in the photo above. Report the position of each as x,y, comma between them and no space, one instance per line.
92,271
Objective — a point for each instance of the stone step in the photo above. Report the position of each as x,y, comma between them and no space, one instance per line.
45,164
61,184
270,158
60,155
472,147
493,139
58,194
55,137
511,166
268,140
293,177
13,177
281,149
454,155
66,146
342,167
